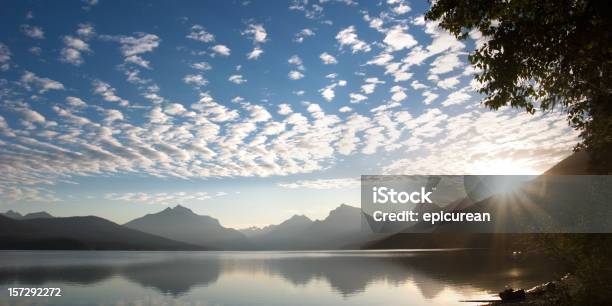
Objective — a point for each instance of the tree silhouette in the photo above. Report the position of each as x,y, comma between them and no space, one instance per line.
545,54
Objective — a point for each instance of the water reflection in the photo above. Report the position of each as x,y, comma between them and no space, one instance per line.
347,274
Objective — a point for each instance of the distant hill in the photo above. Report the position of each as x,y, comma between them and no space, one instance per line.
342,228
182,224
281,236
79,233
35,215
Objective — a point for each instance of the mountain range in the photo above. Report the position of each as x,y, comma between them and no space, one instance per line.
179,228
81,233
182,224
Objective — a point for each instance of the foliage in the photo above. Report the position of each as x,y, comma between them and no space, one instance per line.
545,54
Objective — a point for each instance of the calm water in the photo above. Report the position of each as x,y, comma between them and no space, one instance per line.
265,278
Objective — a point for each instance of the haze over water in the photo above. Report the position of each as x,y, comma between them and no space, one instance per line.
410,277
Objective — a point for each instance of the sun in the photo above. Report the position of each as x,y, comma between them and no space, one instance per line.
502,167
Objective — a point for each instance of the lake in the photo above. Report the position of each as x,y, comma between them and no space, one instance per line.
407,277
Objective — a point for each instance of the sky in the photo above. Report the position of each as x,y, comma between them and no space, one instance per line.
248,111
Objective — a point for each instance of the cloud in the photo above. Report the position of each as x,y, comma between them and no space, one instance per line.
199,33
297,62
327,59
328,92
284,109
137,60
31,115
300,36
295,75
221,50
86,30
75,102
5,53
107,92
357,98
29,80
401,9
348,37
255,53
201,66
256,32
398,39
416,85
32,31
448,83
71,53
445,63
196,80
175,109
399,93
457,97
429,97
320,184
370,85
237,79
141,43
345,109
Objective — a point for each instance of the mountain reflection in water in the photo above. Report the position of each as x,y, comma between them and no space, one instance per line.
242,277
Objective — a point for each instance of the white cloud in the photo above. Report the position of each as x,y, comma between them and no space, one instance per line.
284,109
429,97
256,32
345,109
399,93
328,59
401,9
457,97
295,75
237,79
300,36
200,34
356,97
255,53
398,39
328,92
5,53
107,92
348,37
201,66
29,79
75,102
445,63
448,83
341,183
33,31
137,60
221,50
370,85
297,62
86,30
196,80
141,43
416,85
71,53
31,115
175,109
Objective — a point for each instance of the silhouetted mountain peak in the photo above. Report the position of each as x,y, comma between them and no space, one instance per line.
35,215
342,211
12,214
38,215
182,209
298,218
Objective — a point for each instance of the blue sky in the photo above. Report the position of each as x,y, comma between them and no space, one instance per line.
250,111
